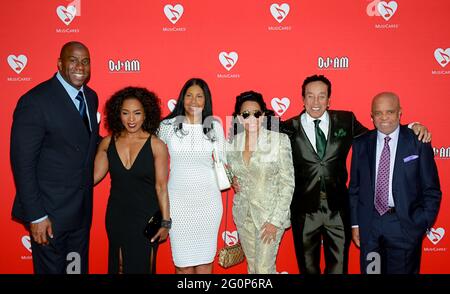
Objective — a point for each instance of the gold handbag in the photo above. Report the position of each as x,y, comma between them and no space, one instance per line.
231,255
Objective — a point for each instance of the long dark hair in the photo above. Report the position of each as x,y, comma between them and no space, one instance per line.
269,120
179,112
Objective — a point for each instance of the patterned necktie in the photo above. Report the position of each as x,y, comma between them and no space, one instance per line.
321,142
382,185
82,110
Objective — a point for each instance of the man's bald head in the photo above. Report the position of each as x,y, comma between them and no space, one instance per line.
71,45
386,112
386,95
74,64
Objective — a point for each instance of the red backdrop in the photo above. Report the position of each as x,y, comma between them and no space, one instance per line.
363,46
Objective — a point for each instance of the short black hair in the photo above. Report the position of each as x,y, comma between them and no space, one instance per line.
269,120
315,78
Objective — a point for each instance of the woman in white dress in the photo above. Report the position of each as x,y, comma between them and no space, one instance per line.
190,133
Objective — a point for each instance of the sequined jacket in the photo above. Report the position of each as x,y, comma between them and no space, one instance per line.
267,183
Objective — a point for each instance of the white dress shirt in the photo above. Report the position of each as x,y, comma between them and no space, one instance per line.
393,148
308,125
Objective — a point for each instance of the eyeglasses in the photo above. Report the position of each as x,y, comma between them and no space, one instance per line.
246,114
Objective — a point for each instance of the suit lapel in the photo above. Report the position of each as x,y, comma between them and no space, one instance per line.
63,97
372,147
332,117
302,136
400,153
68,108
91,108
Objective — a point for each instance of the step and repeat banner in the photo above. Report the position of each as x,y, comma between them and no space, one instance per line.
363,46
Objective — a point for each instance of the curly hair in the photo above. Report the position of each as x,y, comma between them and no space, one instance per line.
150,102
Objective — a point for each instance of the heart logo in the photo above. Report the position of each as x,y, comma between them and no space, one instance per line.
280,105
230,238
17,63
173,13
171,104
228,60
279,12
66,14
436,235
26,242
442,56
387,10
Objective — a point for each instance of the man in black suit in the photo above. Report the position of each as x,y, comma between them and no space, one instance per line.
53,142
394,192
321,140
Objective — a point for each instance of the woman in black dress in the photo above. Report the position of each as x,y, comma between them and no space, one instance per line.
138,165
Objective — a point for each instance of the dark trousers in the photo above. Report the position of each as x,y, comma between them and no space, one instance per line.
308,232
67,252
389,250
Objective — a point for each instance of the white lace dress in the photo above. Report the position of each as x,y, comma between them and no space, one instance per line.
195,199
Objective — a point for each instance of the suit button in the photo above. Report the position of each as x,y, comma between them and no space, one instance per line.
322,164
77,148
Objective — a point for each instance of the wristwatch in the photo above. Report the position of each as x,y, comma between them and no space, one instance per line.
167,224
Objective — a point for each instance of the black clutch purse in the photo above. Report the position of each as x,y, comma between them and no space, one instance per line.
153,225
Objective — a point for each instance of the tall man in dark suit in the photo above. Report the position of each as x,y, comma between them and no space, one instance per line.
321,140
394,192
53,142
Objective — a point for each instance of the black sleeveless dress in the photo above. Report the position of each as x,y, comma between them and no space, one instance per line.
132,201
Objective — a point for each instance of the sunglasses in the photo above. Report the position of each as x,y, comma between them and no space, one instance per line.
246,114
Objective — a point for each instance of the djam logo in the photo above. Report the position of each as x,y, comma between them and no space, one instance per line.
441,152
333,62
127,66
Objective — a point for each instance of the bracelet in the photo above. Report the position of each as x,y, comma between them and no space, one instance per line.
167,224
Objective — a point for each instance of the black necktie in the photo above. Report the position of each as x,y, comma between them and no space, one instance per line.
321,142
82,110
